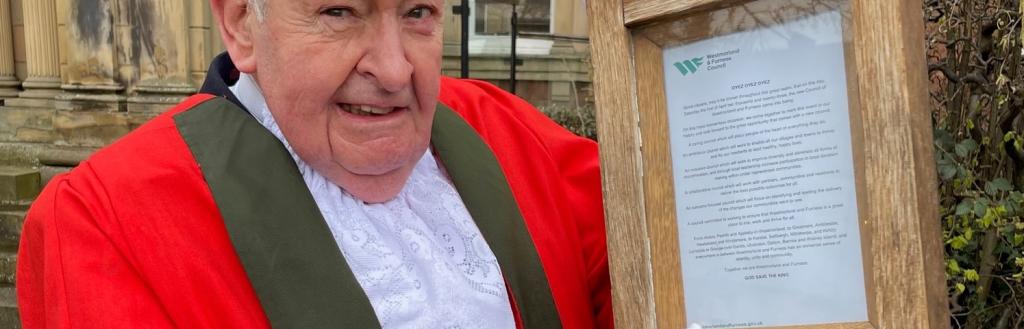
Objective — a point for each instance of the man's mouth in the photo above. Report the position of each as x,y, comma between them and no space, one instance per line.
367,110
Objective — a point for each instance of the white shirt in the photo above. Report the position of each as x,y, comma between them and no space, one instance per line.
419,257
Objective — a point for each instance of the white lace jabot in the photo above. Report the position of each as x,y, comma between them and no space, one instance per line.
420,258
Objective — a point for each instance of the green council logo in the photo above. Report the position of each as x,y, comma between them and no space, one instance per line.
689,66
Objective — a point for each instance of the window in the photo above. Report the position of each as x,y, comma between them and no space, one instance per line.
493,17
492,24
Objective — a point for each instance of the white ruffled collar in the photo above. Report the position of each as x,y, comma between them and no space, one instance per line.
419,257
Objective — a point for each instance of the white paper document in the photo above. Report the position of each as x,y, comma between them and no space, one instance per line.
764,179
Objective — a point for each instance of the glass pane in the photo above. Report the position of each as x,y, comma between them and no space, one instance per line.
553,52
762,153
494,17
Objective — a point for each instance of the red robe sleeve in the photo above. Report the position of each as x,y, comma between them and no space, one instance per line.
579,165
72,270
577,180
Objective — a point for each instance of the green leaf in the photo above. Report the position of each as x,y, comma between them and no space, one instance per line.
971,275
958,242
965,147
1001,184
960,288
991,189
1009,207
947,172
980,206
1018,239
965,207
1019,261
952,266
1016,196
986,221
943,139
947,169
990,216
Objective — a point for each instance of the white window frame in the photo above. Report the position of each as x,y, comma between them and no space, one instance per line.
478,43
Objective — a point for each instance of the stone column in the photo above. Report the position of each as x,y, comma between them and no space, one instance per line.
199,39
452,29
162,39
91,109
579,19
90,77
31,120
42,54
8,80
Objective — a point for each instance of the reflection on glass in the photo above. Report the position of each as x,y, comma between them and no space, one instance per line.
759,120
494,17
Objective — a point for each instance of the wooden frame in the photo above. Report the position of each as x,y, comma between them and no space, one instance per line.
890,130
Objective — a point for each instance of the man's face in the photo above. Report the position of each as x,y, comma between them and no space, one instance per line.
353,85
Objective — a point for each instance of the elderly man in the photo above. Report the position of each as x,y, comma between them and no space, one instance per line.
326,176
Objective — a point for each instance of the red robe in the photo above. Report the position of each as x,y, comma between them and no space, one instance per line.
134,238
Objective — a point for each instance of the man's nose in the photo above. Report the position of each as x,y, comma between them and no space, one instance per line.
385,60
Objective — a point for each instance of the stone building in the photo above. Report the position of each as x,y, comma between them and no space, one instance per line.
75,75
553,45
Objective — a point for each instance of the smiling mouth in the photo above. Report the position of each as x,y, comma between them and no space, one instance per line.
367,110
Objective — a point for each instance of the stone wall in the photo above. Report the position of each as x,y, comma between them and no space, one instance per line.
560,77
77,74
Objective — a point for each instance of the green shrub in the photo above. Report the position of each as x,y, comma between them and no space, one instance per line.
578,119
977,97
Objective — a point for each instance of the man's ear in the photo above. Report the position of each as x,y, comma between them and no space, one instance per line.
234,18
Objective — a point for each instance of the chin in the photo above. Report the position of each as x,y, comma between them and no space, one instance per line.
373,188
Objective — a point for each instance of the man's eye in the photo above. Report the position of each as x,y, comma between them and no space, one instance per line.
337,12
420,12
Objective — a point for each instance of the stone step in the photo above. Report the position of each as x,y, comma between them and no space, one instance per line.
18,185
90,128
18,154
8,266
64,156
27,125
10,228
15,206
9,308
48,172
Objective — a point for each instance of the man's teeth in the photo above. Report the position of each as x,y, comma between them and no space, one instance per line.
366,109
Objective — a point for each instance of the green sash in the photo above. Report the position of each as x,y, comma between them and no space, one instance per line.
286,247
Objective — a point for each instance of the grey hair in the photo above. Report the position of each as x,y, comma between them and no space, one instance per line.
259,7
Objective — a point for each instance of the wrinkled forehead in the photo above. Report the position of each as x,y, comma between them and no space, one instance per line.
260,6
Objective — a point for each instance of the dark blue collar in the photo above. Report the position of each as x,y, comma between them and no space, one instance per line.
221,75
